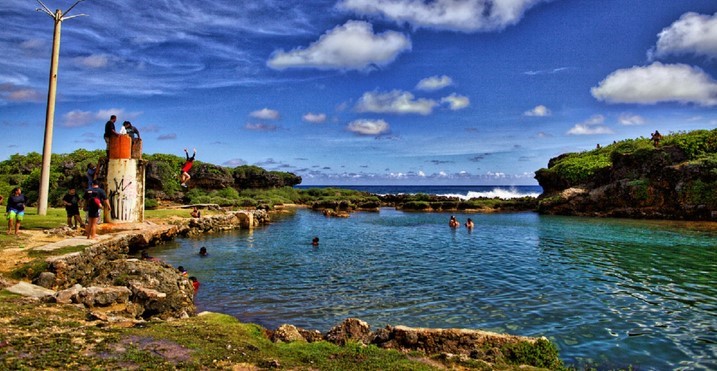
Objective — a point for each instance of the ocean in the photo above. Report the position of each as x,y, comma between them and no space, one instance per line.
462,192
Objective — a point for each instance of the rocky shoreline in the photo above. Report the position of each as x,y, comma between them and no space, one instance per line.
116,288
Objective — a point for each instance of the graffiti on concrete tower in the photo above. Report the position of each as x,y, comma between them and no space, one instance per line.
123,198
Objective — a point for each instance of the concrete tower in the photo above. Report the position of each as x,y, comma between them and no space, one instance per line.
125,179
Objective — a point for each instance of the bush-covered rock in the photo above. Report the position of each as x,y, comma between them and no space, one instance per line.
633,178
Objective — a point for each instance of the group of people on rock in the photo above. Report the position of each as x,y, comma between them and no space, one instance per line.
454,223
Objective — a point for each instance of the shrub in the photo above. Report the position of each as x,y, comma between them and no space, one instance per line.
542,353
150,203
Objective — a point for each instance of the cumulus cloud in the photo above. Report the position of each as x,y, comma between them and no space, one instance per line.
538,111
457,15
351,46
456,102
314,118
368,127
396,101
658,83
629,119
693,33
265,114
434,83
592,126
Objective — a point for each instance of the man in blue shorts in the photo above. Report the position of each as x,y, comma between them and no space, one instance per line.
15,210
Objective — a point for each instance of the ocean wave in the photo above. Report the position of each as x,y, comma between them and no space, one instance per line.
502,193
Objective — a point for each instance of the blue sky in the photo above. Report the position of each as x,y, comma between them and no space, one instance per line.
363,91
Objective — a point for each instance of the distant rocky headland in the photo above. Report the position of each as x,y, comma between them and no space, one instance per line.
635,178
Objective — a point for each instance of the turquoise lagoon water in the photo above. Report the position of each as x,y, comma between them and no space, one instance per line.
612,293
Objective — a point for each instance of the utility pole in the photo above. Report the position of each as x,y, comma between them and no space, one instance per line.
50,113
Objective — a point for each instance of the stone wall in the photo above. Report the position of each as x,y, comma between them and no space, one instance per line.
102,275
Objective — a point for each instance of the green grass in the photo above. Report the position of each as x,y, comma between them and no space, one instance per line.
50,336
56,217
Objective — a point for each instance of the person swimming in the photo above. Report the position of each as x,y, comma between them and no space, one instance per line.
315,241
469,224
203,251
453,223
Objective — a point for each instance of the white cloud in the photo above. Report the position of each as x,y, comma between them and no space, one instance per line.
368,127
396,101
538,111
33,44
260,127
592,126
546,72
658,83
456,102
25,95
234,162
93,61
352,46
457,15
265,114
434,83
78,118
630,119
314,118
691,34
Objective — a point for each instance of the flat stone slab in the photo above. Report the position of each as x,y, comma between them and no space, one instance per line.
72,241
28,289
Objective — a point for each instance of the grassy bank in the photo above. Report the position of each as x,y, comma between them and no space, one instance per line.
47,336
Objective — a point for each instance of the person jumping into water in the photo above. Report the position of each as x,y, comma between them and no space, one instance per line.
184,174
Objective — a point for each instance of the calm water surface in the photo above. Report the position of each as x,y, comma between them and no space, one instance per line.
608,292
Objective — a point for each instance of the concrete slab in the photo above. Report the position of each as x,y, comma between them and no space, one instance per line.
28,289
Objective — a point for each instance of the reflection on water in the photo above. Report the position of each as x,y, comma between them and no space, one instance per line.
612,292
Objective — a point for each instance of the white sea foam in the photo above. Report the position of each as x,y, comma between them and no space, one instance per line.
502,193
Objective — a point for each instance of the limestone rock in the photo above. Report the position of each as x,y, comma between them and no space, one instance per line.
351,329
102,296
46,280
28,289
443,341
66,296
287,334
